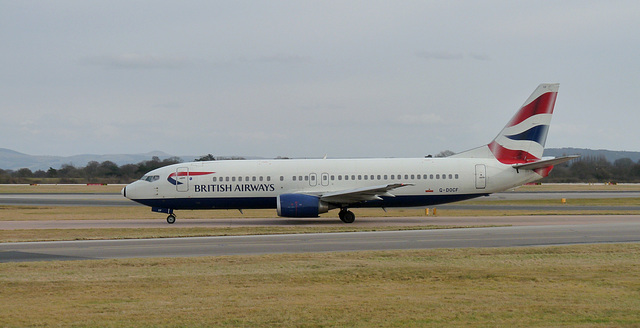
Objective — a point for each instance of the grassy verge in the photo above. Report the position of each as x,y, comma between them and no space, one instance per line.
572,286
36,213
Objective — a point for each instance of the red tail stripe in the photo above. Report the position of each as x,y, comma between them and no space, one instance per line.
542,105
544,172
510,156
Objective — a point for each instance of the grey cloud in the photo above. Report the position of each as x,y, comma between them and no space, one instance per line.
136,61
479,56
444,55
439,55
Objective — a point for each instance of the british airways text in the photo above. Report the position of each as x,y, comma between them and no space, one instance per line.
234,188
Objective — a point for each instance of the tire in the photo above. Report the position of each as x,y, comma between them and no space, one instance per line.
347,217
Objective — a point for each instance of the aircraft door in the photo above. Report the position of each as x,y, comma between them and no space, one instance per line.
324,179
313,181
182,179
481,176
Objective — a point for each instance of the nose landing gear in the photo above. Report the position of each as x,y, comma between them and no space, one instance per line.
171,219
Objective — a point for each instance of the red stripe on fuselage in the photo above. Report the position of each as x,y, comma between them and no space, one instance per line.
191,174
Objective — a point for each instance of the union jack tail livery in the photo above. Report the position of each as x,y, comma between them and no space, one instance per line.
522,139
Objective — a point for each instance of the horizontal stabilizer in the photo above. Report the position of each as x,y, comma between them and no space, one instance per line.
544,163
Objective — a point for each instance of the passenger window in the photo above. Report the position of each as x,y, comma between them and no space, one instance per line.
406,177
239,179
444,176
438,176
214,179
431,176
359,177
346,177
339,178
260,178
456,176
269,178
281,178
385,177
424,177
233,179
227,179
378,177
450,176
333,177
294,178
306,178
413,176
353,177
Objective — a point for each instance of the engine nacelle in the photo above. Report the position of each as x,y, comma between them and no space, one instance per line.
300,206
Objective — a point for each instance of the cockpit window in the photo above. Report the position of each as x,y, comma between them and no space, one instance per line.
150,178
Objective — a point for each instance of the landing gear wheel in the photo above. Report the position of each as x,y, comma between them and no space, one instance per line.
171,219
347,216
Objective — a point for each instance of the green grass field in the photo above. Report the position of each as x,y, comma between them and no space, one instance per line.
569,286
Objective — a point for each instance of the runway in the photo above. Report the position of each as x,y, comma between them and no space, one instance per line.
525,235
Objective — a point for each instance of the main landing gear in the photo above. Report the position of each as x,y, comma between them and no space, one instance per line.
171,219
346,216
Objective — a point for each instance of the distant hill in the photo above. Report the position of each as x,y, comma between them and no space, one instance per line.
13,160
610,155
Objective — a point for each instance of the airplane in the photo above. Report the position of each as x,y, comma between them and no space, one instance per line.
308,187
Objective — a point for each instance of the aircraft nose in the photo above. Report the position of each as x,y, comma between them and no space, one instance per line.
124,191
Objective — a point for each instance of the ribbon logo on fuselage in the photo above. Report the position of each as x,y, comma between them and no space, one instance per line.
174,182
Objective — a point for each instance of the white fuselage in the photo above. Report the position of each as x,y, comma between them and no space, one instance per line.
245,184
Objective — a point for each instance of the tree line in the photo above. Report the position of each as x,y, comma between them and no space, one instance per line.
94,172
585,169
594,169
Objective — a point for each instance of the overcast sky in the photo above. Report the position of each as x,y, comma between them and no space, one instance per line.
309,78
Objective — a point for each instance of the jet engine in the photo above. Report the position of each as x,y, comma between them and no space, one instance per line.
301,206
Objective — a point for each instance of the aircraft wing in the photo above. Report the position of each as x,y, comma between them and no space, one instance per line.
544,163
351,196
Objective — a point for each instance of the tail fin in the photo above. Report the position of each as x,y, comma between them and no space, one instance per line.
522,139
